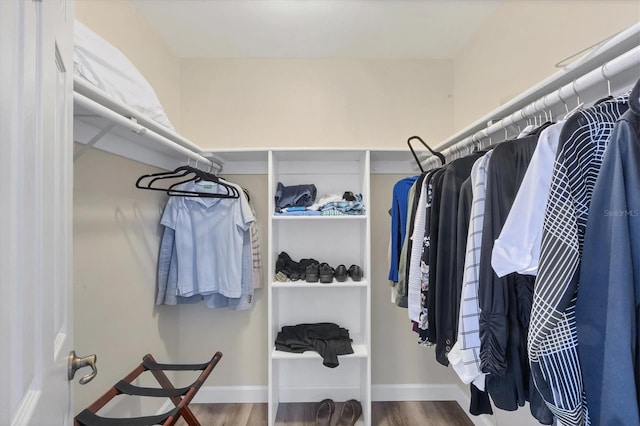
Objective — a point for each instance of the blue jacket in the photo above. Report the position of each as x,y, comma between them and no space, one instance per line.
607,317
399,212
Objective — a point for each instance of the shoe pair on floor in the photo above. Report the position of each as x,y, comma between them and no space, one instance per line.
350,413
324,273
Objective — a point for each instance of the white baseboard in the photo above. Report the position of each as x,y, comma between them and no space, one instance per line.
231,394
407,392
416,392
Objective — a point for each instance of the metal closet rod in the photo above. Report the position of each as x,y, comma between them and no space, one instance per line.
553,101
616,46
132,125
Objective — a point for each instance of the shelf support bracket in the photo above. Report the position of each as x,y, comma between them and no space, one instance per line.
80,152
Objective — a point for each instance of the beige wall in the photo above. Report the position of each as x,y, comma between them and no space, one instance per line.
240,103
116,239
396,356
521,41
118,22
240,335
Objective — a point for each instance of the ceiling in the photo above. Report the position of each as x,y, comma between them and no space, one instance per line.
315,28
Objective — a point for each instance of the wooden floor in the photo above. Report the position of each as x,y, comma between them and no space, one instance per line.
415,413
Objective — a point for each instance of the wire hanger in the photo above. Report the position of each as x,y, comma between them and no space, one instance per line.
436,153
191,174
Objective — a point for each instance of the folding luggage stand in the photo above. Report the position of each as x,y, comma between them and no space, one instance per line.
181,397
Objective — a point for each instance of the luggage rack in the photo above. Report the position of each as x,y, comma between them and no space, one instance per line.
181,397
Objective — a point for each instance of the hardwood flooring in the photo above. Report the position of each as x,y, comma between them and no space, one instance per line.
410,413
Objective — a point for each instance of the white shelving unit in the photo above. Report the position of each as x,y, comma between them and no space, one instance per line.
335,240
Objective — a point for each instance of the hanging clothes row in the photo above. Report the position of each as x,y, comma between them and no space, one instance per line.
520,264
209,248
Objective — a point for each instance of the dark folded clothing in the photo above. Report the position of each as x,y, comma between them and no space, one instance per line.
326,338
295,196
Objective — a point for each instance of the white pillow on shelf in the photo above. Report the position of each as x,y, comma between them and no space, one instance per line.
107,68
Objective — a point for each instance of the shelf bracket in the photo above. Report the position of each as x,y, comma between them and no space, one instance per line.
80,152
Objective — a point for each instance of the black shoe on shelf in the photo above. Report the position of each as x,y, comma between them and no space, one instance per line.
326,273
341,273
304,264
355,272
312,273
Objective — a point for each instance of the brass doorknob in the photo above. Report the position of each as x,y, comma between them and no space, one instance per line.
76,363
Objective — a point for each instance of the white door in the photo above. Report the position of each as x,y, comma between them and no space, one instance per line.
35,211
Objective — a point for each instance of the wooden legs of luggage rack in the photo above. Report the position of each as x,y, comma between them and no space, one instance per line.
180,397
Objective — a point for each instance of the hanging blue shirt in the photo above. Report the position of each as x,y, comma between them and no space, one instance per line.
209,240
399,211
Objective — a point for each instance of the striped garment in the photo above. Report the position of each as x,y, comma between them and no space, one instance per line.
465,354
552,340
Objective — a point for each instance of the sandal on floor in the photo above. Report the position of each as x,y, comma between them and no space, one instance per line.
324,413
350,413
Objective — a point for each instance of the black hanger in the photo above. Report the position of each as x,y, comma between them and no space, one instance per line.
191,174
436,153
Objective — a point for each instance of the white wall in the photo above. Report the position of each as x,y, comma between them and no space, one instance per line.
240,335
521,41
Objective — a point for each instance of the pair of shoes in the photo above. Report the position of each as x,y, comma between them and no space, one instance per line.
349,415
326,273
355,272
325,412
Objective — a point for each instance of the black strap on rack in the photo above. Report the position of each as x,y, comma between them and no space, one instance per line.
154,366
88,418
129,389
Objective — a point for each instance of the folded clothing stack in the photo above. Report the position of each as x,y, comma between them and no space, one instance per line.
294,196
294,201
326,338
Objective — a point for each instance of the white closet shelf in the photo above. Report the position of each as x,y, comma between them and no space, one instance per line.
107,124
346,217
359,351
335,284
254,160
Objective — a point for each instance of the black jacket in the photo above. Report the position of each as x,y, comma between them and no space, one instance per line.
326,338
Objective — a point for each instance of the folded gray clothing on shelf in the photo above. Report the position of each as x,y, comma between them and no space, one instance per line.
295,195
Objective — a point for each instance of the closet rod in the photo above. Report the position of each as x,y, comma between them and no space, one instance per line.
616,76
130,123
616,46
